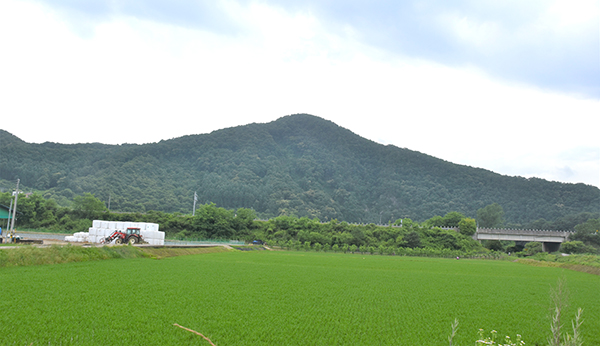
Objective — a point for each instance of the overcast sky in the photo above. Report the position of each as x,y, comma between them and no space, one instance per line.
509,86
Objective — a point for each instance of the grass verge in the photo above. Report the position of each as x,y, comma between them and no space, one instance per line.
582,263
163,252
31,255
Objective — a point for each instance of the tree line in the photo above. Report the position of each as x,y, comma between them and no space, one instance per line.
452,231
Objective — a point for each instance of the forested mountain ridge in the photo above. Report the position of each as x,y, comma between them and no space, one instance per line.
297,165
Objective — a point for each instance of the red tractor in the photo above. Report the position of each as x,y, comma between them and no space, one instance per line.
131,236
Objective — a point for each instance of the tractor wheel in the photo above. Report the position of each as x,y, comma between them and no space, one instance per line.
132,240
118,241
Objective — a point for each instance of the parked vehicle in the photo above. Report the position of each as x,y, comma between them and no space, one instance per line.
129,236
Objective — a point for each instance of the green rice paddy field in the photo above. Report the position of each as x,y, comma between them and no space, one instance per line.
286,298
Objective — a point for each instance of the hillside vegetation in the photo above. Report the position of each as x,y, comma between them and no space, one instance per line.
298,165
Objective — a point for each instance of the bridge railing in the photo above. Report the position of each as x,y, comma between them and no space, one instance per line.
523,232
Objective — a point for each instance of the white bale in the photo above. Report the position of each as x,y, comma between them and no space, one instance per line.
97,223
161,236
112,225
80,237
119,225
92,231
104,224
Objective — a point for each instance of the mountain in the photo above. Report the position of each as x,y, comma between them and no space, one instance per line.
297,165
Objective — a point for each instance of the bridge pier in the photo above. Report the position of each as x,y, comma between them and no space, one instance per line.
550,247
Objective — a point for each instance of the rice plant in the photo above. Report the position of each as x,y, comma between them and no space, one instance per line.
283,298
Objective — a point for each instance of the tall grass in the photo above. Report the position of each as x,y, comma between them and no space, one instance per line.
31,255
27,255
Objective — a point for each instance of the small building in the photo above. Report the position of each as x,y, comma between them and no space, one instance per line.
4,214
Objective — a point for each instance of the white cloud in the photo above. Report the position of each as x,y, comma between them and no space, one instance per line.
140,81
573,13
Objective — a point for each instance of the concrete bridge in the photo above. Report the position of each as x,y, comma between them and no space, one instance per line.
550,240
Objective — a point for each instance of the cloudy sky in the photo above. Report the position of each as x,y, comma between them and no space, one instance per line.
511,86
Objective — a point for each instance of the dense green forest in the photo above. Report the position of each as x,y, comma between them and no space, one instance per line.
298,165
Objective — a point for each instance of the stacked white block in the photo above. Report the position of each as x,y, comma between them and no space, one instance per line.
79,237
101,229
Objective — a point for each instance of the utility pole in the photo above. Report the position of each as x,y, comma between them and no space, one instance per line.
195,199
8,220
12,224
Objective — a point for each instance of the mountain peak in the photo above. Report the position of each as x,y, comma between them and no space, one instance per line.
300,165
7,137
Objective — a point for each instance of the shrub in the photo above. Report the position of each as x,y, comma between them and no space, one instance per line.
576,247
467,226
533,248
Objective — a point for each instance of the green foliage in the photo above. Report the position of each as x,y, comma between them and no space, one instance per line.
452,219
567,222
491,216
412,240
496,245
88,206
212,222
588,232
577,247
467,226
533,248
299,165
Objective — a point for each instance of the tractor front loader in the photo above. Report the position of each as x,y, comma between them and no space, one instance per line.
129,236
